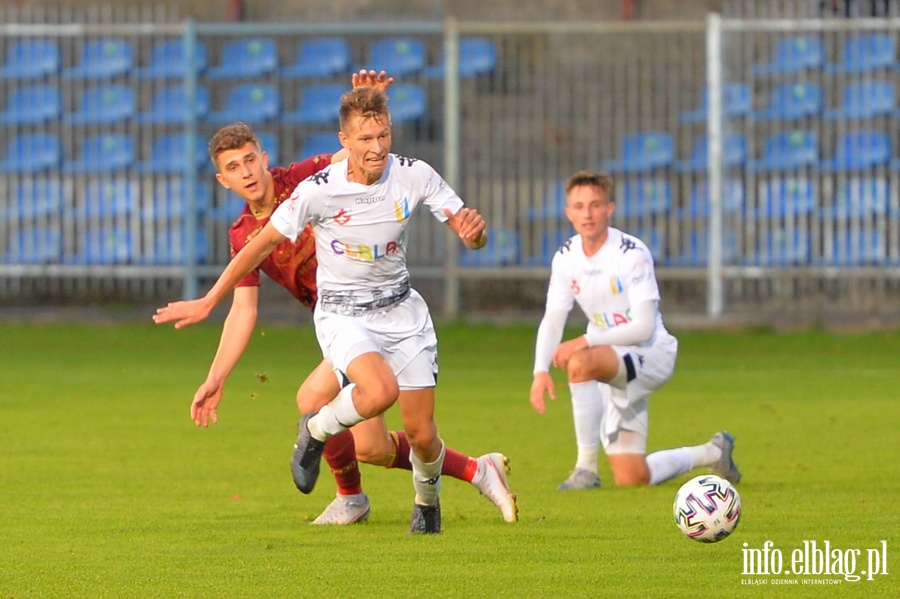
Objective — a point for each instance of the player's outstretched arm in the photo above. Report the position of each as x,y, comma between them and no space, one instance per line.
469,225
186,313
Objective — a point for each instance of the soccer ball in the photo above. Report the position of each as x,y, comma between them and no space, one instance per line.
707,508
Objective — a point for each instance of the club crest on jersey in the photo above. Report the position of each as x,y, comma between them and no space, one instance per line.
342,218
615,285
401,209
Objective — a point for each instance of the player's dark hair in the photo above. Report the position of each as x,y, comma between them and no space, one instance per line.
231,137
367,102
597,179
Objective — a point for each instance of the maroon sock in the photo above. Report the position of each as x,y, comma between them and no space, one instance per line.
340,453
456,464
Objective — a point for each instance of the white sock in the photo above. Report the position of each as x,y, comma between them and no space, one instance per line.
427,478
669,463
587,412
336,416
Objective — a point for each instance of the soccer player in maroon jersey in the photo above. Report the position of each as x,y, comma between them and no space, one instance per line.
243,167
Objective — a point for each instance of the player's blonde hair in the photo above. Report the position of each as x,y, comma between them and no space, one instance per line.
367,102
231,137
597,179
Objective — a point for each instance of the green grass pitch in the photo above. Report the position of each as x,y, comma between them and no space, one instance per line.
107,489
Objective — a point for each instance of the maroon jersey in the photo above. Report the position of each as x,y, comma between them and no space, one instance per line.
293,264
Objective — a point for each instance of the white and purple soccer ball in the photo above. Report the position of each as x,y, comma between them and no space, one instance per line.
707,508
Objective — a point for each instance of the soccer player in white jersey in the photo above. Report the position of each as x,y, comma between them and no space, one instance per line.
372,327
624,356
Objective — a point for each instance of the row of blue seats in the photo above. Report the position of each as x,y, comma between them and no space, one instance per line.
859,53
645,151
777,247
44,199
251,102
801,100
778,198
243,58
104,246
773,247
112,152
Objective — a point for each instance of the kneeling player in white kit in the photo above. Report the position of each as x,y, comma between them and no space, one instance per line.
625,355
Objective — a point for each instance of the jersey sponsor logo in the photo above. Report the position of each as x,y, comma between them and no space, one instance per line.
609,320
404,161
362,252
370,200
401,209
627,244
341,218
615,285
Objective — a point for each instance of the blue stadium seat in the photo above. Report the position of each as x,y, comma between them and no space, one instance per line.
788,150
780,247
32,153
859,198
794,55
787,197
34,245
246,58
734,153
169,106
168,61
733,196
106,246
399,56
548,243
654,240
32,105
736,102
865,52
268,142
407,102
229,209
116,198
858,150
865,100
102,59
477,56
169,155
103,153
319,57
169,247
792,101
502,249
643,198
31,59
169,200
695,249
553,204
104,104
643,151
318,105
35,199
250,103
319,143
854,246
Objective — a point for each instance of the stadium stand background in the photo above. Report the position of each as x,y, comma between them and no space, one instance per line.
631,101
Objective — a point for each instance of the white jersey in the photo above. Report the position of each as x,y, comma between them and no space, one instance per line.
605,286
361,230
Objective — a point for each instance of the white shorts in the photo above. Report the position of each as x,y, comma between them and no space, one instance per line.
642,370
403,334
